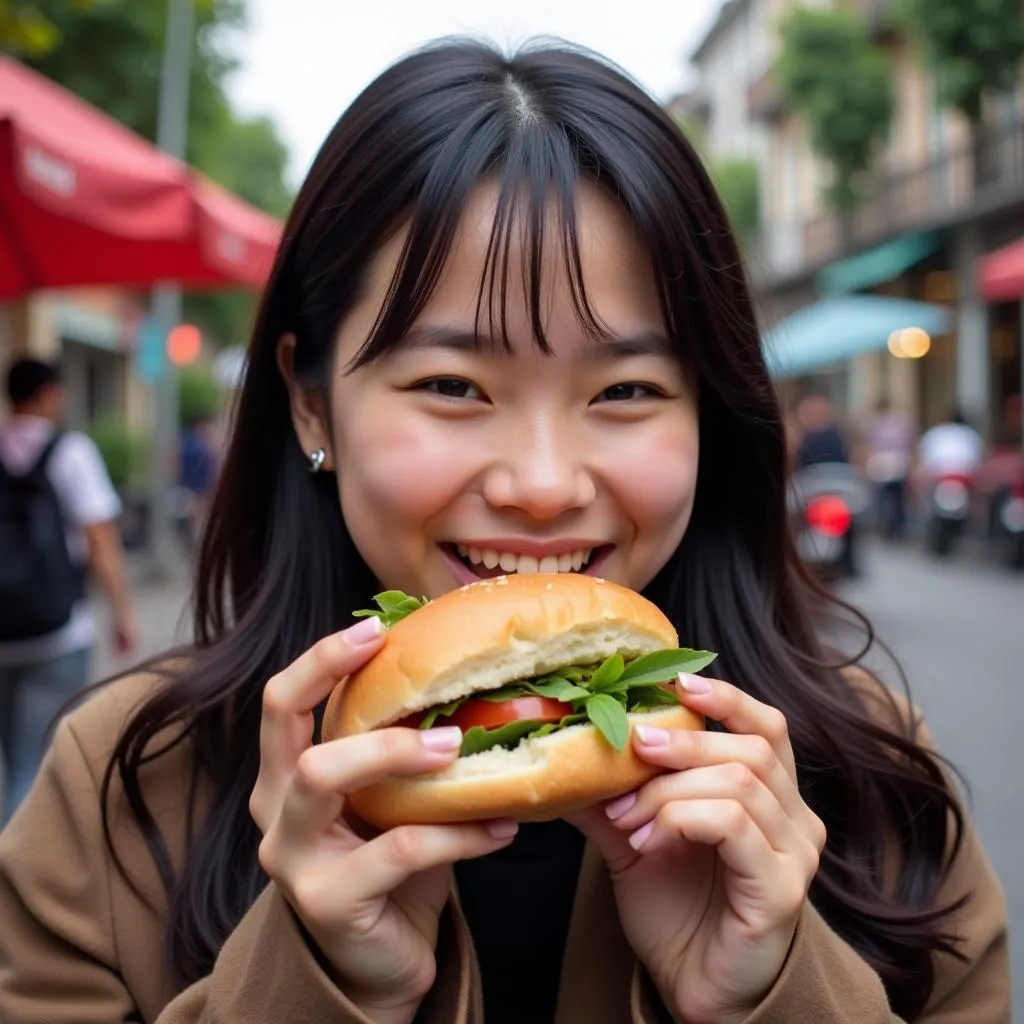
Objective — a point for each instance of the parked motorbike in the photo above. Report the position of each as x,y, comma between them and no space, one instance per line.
1007,525
946,511
828,503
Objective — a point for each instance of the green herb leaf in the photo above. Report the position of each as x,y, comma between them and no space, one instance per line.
510,692
575,673
442,711
479,739
663,666
644,697
558,689
610,718
393,605
608,673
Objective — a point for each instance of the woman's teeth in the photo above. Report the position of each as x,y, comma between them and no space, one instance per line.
571,561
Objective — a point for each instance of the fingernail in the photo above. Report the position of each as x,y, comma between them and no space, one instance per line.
694,684
641,835
448,737
617,808
502,829
652,736
363,631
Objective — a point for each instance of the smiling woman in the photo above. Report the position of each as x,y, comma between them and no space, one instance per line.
509,329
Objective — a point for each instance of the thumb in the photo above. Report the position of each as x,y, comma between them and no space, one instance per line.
611,842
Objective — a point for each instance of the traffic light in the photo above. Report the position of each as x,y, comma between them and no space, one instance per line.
184,343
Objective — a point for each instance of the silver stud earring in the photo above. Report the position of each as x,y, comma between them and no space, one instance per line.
316,460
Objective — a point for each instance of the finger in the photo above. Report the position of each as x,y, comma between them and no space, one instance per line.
378,867
286,725
720,782
725,824
739,713
681,749
611,842
325,773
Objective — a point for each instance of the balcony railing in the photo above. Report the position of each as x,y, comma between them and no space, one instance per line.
975,180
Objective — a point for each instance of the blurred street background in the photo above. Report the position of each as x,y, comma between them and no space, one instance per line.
878,199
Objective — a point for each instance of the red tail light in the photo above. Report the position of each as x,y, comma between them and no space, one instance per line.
829,515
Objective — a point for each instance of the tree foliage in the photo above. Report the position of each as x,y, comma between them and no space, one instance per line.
739,184
839,84
974,48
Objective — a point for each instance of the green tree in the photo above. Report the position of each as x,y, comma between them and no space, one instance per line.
974,48
739,184
737,180
27,31
838,82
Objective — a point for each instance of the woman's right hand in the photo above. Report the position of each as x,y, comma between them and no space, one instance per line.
370,905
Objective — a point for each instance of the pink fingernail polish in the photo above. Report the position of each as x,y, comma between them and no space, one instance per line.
641,835
652,736
503,829
618,807
443,740
694,684
364,631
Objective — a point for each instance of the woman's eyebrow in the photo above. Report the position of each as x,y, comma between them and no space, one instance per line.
644,343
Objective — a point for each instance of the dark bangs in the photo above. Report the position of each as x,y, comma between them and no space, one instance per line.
536,144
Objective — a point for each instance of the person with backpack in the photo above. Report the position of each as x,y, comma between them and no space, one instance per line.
58,526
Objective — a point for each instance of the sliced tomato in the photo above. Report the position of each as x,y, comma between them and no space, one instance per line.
491,714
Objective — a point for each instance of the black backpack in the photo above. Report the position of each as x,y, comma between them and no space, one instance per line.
39,582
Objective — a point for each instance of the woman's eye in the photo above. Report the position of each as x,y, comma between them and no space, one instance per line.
627,392
450,387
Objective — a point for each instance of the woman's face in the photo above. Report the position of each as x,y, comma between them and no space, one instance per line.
456,459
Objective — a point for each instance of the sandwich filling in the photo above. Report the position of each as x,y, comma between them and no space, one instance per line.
601,694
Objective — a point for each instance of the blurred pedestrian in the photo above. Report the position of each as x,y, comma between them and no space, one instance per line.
502,332
197,471
58,525
821,440
951,447
890,437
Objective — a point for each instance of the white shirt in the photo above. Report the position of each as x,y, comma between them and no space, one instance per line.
952,448
86,496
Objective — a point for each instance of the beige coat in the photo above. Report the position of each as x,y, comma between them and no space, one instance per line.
76,945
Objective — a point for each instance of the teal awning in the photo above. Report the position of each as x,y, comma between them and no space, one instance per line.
833,330
878,265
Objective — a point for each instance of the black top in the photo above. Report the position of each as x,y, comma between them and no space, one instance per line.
517,903
821,446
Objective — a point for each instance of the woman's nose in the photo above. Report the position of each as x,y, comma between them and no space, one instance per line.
540,475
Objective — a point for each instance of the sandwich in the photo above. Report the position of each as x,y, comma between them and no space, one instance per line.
545,674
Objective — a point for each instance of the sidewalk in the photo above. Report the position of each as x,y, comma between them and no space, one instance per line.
162,613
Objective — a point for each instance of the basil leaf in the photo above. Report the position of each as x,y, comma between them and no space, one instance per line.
393,605
558,689
651,697
608,673
478,739
442,711
510,692
610,718
575,673
663,666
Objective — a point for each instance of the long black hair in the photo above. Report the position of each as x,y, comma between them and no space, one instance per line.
277,569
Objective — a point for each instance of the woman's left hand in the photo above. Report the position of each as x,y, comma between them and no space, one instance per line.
712,861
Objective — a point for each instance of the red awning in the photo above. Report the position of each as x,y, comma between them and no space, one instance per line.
85,201
1001,274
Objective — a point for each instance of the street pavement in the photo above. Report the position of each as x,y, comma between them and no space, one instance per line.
957,628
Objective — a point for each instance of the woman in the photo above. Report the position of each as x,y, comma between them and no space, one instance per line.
507,310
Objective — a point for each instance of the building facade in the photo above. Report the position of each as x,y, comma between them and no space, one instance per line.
936,204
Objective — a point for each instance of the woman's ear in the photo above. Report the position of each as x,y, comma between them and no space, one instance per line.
308,414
